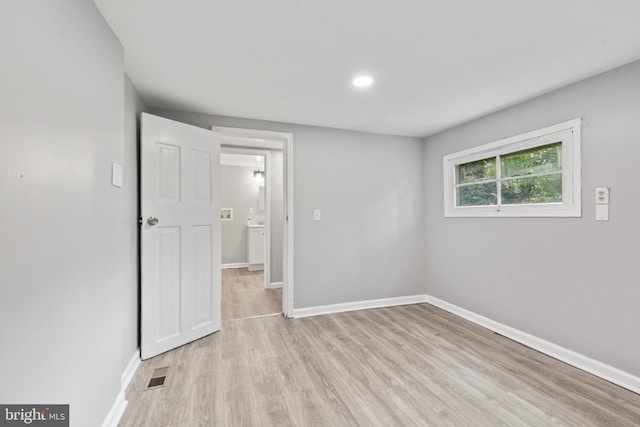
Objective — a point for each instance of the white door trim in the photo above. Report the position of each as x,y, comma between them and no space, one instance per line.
267,201
269,140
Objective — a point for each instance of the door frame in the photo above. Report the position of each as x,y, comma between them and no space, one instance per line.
224,148
270,140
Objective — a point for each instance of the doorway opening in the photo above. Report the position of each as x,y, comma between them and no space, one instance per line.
251,217
257,245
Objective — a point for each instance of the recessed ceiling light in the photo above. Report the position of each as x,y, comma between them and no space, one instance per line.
363,81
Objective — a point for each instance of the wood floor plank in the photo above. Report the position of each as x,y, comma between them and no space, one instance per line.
240,404
268,388
141,407
402,366
307,408
208,408
244,295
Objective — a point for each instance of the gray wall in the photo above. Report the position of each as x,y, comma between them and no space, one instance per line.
572,281
277,215
370,242
240,192
66,261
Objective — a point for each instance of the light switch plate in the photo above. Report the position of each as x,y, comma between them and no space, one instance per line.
116,174
602,212
317,215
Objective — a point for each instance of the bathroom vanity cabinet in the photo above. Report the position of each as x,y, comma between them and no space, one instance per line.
255,247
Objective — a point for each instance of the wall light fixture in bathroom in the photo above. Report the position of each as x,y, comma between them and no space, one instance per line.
258,175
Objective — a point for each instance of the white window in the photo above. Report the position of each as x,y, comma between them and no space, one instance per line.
536,174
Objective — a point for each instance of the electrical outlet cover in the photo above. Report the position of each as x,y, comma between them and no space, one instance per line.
602,196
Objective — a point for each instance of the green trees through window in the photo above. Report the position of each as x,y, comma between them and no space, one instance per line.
524,177
478,183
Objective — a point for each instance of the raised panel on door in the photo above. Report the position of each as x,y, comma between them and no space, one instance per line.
168,172
169,280
201,175
203,275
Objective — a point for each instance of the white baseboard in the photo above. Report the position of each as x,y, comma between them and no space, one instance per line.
358,305
120,404
114,415
599,369
130,370
274,285
235,265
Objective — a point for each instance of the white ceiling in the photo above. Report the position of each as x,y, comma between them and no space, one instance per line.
436,63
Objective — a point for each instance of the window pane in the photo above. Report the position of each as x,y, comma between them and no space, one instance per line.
477,194
536,160
480,170
538,189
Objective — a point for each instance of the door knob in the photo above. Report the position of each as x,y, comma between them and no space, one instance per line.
152,220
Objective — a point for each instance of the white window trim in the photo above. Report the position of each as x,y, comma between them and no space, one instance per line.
571,206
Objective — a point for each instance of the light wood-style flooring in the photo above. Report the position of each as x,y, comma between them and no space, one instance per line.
244,295
413,365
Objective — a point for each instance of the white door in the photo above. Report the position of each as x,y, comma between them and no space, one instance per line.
180,236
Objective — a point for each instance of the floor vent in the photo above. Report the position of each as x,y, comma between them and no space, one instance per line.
158,377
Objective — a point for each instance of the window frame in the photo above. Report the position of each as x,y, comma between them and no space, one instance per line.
568,133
